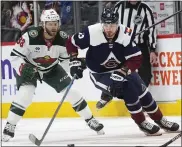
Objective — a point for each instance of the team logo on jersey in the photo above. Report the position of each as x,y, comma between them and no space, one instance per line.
111,61
33,33
37,49
63,34
45,61
138,19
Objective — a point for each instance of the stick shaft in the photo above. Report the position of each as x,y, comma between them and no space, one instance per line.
171,141
158,22
55,113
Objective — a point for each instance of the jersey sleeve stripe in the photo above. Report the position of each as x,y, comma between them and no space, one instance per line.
60,60
18,53
133,55
13,54
64,58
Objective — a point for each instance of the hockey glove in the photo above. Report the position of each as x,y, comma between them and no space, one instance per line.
28,72
77,66
118,77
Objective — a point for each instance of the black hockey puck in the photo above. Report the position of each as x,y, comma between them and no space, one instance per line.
70,145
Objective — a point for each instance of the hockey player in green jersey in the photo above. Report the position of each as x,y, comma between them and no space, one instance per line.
36,56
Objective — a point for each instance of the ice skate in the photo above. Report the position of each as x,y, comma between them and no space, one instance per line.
96,126
168,126
149,129
105,99
9,132
100,104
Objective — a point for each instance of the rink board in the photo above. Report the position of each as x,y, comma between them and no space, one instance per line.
115,108
165,86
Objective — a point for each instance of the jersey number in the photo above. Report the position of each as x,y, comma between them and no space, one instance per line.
21,41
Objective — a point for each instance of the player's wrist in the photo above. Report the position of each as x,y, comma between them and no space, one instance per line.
124,70
73,55
152,50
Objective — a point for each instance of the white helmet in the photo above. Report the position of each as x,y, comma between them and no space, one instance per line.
49,15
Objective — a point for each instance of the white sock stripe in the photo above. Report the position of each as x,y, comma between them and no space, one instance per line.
153,110
19,106
143,93
149,104
78,102
133,104
137,111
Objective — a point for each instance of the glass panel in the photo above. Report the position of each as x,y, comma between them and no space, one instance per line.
161,10
89,13
65,10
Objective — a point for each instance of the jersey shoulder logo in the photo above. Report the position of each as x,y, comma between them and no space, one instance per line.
63,34
128,31
137,19
33,33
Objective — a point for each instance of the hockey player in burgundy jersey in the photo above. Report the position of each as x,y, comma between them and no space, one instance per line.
36,56
112,60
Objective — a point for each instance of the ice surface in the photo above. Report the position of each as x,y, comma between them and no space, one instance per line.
120,131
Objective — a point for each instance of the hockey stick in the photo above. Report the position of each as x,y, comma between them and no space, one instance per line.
158,22
169,142
172,140
32,137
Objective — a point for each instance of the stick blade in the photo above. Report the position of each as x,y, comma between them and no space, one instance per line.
34,140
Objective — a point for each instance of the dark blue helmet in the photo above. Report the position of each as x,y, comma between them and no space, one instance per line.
109,15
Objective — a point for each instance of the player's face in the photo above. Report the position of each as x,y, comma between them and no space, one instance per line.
52,28
110,30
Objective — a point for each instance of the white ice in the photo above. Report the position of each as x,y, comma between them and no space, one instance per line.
120,131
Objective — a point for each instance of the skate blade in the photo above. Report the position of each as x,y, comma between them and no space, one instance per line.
101,132
155,134
6,138
168,131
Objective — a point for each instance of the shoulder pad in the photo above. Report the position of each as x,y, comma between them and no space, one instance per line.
63,34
